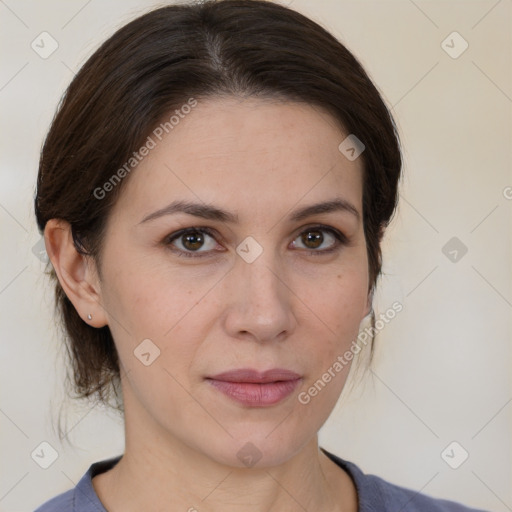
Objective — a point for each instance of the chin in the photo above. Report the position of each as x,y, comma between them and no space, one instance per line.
256,449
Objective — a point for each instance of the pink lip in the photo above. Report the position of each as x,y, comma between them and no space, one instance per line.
256,389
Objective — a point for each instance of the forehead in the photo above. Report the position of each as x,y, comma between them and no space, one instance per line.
250,152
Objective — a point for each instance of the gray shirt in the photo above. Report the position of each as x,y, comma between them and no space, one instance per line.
374,493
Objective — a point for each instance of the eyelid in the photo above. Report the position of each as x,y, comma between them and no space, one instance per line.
192,229
340,237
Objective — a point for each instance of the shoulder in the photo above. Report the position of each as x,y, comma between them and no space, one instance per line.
83,497
378,495
61,503
407,499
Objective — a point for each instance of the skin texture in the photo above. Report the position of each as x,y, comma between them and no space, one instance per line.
260,159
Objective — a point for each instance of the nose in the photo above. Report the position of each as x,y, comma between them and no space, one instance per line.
259,303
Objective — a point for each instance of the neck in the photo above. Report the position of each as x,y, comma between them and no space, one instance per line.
157,470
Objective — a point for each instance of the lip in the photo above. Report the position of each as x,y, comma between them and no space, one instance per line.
255,376
254,388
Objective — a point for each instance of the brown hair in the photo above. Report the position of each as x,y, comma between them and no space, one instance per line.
152,66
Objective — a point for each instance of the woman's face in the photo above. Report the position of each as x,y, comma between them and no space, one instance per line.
258,290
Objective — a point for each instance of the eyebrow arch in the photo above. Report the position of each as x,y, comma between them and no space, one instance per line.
334,205
206,211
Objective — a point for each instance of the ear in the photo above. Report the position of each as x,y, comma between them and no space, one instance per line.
369,300
77,273
368,307
369,303
382,230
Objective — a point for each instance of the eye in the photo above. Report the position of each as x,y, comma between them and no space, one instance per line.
313,237
200,241
187,242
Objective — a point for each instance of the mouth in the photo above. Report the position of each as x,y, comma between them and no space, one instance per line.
256,389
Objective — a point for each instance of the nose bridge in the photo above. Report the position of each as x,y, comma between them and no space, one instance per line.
262,282
259,302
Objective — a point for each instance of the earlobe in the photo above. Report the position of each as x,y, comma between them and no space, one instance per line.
369,304
382,230
75,273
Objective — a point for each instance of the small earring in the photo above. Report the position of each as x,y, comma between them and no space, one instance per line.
89,317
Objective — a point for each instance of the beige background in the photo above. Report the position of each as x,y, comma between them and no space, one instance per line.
443,365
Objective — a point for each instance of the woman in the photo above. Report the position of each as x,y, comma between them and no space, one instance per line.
213,192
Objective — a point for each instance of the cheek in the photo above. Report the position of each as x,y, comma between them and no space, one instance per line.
147,297
351,288
338,306
339,299
152,302
150,296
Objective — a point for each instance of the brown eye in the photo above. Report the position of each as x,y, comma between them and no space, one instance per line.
312,240
192,242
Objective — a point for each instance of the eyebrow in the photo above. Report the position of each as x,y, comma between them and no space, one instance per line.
211,212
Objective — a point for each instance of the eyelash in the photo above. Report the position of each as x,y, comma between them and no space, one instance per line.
340,238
